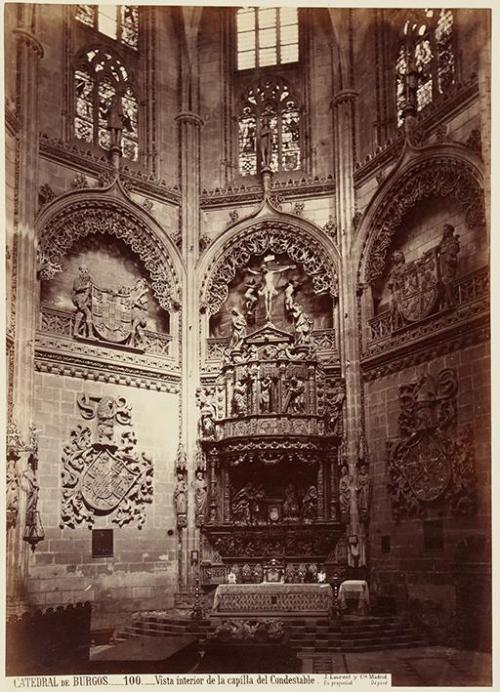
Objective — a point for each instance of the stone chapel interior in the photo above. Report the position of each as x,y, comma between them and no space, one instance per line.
248,313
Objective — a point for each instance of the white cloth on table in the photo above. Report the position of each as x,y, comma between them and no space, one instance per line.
355,589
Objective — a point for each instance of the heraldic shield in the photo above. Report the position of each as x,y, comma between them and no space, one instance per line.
111,314
419,289
106,481
426,465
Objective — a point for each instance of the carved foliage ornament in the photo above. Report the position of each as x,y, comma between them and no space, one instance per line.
105,217
431,462
269,236
103,473
444,177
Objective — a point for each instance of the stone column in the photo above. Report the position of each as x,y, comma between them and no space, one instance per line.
29,52
343,105
189,138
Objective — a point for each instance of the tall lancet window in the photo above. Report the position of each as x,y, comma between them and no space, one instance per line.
267,36
427,50
101,83
269,109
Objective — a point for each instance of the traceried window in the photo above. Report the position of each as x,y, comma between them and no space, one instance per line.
426,49
119,22
267,36
101,82
269,106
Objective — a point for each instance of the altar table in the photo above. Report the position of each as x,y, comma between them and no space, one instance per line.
355,589
285,599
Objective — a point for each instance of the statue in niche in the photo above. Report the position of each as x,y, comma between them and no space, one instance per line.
448,249
200,496
241,506
334,406
395,284
265,142
12,491
265,394
310,504
290,504
139,312
268,289
345,486
239,325
302,325
239,401
256,510
251,298
294,400
82,297
364,491
180,500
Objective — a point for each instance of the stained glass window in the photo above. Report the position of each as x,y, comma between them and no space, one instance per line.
100,78
267,36
428,48
119,22
270,105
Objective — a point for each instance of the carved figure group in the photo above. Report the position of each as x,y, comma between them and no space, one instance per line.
302,324
294,400
239,402
268,288
246,506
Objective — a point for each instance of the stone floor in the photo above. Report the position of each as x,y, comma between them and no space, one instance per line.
424,666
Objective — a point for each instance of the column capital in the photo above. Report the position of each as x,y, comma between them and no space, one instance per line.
30,41
344,95
189,117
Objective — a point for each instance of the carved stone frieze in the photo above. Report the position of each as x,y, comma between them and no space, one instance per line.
45,195
107,217
79,182
268,236
102,472
430,462
442,177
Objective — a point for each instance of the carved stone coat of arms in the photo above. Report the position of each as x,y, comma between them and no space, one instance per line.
102,471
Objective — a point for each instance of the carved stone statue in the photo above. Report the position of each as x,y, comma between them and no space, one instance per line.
239,324
364,492
345,486
449,247
256,510
334,406
290,504
239,401
82,296
294,400
395,284
181,458
207,414
200,496
268,289
310,504
291,290
302,324
251,298
180,500
241,506
115,119
30,485
12,492
139,312
265,395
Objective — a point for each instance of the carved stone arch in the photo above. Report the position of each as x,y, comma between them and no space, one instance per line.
441,174
92,213
300,241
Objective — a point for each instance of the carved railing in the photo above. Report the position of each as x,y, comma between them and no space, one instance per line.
325,340
469,288
60,322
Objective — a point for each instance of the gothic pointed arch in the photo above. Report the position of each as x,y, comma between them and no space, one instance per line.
77,215
300,240
441,171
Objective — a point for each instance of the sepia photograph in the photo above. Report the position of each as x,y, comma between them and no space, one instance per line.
247,344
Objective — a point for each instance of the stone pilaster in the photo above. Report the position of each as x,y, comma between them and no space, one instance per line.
25,297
